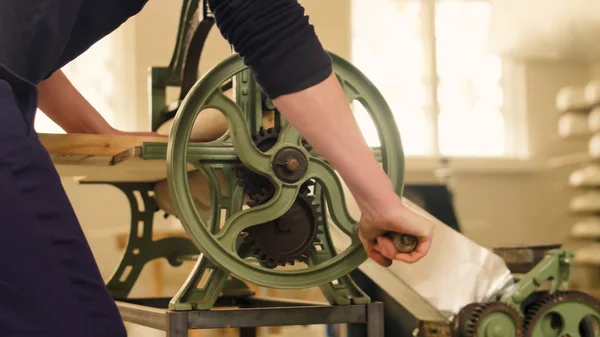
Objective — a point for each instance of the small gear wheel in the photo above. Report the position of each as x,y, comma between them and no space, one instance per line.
289,238
564,313
492,319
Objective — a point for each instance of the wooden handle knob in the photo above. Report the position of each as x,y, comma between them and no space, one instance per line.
404,243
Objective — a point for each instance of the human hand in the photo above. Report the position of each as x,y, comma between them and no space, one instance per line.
393,216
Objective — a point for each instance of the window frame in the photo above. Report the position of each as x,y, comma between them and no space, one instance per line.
517,156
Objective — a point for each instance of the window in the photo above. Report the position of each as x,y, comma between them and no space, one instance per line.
93,75
429,60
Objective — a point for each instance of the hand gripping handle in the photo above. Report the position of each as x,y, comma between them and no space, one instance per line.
404,243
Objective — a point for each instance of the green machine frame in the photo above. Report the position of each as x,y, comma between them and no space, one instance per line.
219,254
219,241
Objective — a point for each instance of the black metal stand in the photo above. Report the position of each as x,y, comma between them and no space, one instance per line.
247,314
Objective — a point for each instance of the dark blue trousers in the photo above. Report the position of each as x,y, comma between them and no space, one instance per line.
50,285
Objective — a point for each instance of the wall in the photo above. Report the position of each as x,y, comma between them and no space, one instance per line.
595,71
524,206
495,208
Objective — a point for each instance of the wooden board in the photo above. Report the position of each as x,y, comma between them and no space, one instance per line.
104,158
110,158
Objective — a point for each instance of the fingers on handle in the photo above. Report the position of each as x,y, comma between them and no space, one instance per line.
421,250
376,256
389,249
404,243
395,246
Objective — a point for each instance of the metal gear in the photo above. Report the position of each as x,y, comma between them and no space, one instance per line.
461,319
291,237
492,319
252,183
564,313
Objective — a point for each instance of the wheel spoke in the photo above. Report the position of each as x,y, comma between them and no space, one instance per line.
350,92
281,201
242,142
220,247
571,327
290,136
334,193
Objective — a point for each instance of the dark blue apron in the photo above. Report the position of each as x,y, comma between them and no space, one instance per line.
50,284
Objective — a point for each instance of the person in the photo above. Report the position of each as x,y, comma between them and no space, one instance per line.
50,284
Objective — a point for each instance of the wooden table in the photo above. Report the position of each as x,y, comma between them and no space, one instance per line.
103,158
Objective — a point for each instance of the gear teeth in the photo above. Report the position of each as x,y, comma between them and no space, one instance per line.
254,188
535,311
472,316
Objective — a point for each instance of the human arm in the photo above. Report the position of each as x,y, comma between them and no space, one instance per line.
281,47
338,138
63,103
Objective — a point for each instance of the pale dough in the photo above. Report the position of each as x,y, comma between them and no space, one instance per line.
594,146
570,98
572,124
587,229
592,92
210,124
586,176
590,254
594,119
199,189
586,202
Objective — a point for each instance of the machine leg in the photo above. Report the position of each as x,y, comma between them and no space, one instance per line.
248,332
177,325
375,320
249,314
141,247
195,295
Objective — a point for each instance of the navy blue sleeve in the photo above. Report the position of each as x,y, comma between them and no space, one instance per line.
95,20
33,34
276,40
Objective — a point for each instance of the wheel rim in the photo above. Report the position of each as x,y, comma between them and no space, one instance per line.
568,313
219,248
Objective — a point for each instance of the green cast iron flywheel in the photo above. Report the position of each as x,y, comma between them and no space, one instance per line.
220,247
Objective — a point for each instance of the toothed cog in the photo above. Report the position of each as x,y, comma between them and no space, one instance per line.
291,237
